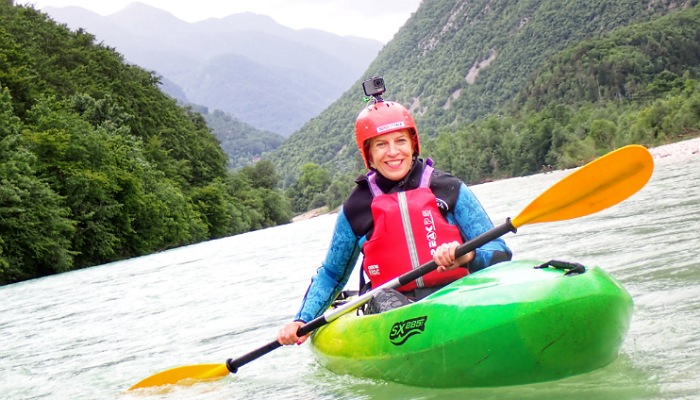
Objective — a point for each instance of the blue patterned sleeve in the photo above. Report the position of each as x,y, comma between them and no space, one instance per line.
471,218
333,274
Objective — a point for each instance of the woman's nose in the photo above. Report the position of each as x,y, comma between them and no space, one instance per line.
393,148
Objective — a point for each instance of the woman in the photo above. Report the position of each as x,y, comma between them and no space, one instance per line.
401,215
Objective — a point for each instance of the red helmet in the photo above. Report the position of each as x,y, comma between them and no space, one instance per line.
381,118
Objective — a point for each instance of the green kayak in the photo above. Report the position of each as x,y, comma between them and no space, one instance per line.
505,325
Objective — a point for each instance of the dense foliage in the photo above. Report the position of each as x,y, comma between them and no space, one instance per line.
503,87
97,164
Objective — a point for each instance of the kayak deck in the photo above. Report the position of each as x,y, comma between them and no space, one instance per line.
505,325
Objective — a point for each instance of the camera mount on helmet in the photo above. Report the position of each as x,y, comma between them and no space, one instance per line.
374,88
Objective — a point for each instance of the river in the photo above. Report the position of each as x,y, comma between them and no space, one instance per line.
90,334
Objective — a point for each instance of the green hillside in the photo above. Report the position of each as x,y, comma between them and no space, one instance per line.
97,164
636,84
485,77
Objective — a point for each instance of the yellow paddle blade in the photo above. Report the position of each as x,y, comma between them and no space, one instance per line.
597,185
189,374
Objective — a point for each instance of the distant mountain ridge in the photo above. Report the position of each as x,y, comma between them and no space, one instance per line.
269,76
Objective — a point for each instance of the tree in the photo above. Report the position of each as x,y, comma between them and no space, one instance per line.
262,174
339,190
603,132
312,182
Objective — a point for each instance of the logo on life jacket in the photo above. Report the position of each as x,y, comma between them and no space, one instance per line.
430,234
403,330
373,270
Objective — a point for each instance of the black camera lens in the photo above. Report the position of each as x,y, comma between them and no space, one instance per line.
379,82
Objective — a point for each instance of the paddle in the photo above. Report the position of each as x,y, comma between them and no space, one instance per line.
599,184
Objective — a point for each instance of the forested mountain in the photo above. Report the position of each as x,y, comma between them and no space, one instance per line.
262,73
503,87
97,164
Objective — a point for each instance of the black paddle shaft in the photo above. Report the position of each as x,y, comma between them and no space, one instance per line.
233,365
463,249
410,276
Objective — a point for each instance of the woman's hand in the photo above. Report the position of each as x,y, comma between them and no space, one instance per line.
288,334
444,257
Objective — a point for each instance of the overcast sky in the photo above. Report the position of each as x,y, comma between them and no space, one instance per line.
378,20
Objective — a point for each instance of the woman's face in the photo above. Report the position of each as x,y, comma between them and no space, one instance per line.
391,154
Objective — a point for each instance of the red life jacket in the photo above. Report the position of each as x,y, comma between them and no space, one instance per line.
408,227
